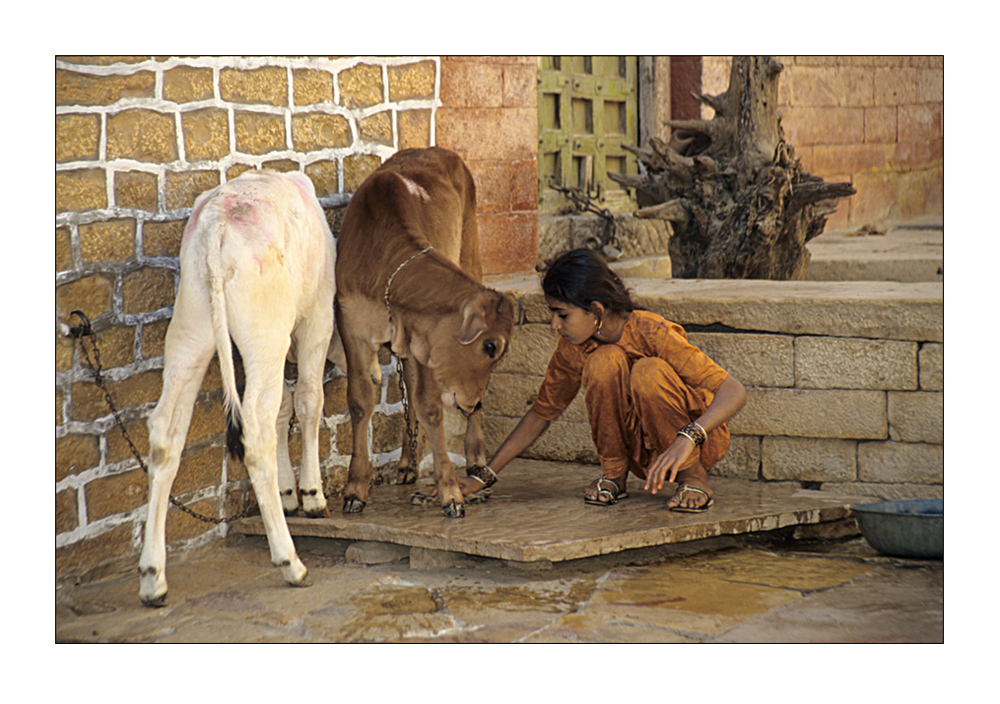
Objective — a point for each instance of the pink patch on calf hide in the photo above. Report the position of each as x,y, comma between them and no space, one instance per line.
240,212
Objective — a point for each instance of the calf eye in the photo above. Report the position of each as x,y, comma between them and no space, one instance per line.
490,348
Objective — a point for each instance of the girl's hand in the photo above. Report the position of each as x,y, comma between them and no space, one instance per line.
664,468
467,484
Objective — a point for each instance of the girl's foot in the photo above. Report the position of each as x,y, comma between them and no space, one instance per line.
693,492
605,491
690,499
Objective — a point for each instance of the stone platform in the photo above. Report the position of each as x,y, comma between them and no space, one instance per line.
907,252
536,513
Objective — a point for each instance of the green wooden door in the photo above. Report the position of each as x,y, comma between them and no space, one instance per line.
586,112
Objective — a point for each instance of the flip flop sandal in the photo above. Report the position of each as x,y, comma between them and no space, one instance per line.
612,496
684,509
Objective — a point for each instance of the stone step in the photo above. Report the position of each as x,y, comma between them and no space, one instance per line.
864,309
536,514
908,252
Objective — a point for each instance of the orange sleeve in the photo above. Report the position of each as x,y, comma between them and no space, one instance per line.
562,382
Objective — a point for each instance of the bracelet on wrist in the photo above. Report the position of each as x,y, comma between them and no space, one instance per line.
695,433
484,474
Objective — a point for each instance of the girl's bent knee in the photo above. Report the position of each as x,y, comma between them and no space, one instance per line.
650,373
606,363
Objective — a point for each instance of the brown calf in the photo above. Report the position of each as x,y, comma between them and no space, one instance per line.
408,274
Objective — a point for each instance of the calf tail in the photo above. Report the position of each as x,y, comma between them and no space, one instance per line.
234,436
224,344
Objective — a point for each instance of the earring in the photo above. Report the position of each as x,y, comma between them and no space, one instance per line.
600,323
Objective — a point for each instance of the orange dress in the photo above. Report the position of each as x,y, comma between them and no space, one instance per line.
639,391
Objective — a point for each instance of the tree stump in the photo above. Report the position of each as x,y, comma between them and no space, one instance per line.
739,201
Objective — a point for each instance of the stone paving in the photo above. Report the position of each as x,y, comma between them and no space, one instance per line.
741,587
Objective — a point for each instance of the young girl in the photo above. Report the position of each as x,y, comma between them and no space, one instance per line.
657,405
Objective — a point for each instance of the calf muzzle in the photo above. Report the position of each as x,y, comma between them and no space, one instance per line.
466,414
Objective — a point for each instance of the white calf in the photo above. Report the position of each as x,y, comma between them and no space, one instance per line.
257,269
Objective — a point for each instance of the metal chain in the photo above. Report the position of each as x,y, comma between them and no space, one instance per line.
413,468
409,475
78,333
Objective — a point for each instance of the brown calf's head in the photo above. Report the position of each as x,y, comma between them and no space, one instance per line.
465,347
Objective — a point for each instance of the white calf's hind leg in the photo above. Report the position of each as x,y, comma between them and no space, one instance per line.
312,341
261,402
184,368
286,477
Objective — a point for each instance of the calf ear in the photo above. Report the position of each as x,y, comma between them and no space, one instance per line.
473,322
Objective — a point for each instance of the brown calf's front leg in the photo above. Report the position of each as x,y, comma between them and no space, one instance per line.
475,441
430,413
360,403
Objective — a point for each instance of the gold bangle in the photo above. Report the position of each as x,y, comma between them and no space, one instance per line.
695,433
477,473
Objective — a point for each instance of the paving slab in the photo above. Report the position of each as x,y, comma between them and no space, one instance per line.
880,606
536,513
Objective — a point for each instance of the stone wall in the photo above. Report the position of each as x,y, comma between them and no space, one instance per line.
137,139
489,116
877,121
845,387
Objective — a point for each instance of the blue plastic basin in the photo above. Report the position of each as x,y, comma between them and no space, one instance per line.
903,528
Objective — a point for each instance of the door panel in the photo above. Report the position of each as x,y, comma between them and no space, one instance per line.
587,109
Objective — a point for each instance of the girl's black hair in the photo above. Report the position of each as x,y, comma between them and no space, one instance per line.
580,277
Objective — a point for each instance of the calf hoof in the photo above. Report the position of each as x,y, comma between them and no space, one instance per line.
156,602
406,475
304,582
314,505
289,502
454,510
353,505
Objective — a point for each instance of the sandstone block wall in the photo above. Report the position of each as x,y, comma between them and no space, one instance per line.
877,121
489,116
137,139
843,396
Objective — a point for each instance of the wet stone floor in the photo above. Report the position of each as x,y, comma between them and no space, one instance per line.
845,593
759,587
